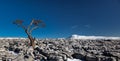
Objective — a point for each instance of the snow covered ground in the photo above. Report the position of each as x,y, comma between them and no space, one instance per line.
68,59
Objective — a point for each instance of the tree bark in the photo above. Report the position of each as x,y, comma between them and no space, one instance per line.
32,43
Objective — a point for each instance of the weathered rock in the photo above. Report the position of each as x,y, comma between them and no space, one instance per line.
61,49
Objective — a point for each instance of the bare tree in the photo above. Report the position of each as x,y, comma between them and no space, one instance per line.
35,24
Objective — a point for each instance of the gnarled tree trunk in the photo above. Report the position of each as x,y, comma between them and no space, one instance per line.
32,43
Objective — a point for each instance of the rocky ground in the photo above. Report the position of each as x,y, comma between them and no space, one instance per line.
60,50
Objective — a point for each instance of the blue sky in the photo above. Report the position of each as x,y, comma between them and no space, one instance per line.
62,17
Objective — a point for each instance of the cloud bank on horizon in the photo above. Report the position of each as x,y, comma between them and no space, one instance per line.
74,36
93,37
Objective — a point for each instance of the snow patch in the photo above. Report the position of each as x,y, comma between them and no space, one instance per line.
68,59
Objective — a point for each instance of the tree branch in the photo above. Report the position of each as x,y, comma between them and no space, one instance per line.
33,29
30,25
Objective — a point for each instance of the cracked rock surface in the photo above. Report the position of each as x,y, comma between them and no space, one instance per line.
60,50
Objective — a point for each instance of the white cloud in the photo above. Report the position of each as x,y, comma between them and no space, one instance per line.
93,37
